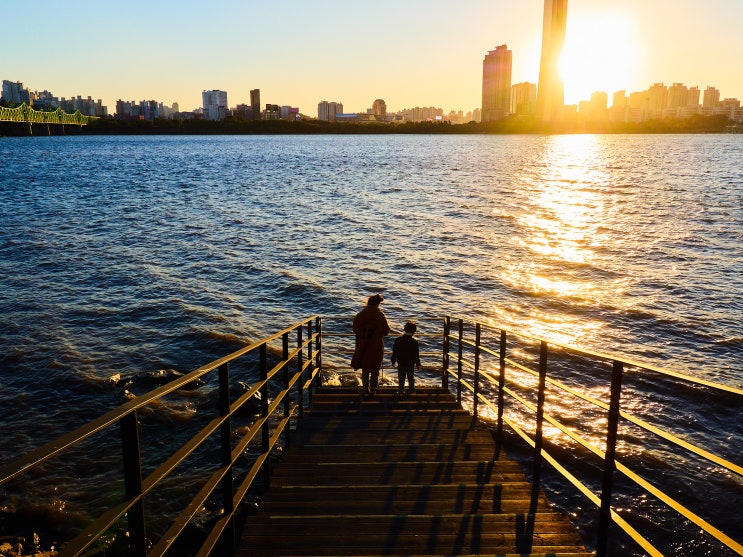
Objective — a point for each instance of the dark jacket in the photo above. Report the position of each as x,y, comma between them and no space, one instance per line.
370,326
405,351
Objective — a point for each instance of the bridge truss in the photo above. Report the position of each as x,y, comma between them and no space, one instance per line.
25,113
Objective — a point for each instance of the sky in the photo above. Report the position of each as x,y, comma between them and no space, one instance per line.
408,52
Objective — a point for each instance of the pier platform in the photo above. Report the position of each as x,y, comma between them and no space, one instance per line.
401,475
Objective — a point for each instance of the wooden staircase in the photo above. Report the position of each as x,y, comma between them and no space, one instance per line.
411,475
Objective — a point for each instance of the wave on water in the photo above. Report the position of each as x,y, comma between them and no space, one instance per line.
141,267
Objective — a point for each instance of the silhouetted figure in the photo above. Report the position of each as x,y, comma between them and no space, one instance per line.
406,353
370,326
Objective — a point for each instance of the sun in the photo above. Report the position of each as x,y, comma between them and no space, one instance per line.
600,54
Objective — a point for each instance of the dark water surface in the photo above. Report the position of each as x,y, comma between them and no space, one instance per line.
120,257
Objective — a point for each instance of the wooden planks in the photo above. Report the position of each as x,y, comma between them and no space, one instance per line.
390,475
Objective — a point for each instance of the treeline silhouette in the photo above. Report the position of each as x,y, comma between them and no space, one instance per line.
510,125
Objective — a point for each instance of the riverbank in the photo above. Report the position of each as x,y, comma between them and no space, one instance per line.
515,125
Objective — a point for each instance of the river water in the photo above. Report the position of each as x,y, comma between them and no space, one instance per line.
122,256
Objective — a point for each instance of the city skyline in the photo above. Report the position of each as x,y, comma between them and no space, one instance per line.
417,54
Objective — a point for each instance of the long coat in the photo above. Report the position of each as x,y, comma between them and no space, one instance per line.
370,326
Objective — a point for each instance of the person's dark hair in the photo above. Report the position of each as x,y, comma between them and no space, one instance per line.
375,300
410,327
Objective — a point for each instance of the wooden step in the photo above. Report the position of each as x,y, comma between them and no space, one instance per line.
450,534
506,497
386,452
400,437
388,475
435,420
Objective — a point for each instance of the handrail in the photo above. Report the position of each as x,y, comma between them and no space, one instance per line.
611,358
301,380
470,359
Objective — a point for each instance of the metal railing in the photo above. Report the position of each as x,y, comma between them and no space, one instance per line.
486,366
466,347
292,373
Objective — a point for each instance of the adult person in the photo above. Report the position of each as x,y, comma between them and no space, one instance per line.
370,327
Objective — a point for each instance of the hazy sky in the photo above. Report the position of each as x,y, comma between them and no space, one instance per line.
407,52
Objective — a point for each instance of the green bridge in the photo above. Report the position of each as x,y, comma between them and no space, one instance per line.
26,117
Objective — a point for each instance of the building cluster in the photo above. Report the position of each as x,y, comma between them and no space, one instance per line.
145,110
214,106
333,112
501,99
15,93
659,102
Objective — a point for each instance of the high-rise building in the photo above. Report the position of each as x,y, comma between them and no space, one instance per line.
620,99
379,108
496,84
711,97
692,97
657,100
550,91
215,104
255,103
677,95
15,92
328,110
524,99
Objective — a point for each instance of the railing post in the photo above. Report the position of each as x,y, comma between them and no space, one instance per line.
310,362
459,362
540,414
609,459
265,438
318,349
445,354
501,382
300,365
228,538
477,370
287,397
133,483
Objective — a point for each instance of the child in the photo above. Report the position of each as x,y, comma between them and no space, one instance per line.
405,353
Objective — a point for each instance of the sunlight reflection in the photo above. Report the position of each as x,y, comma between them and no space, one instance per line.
562,242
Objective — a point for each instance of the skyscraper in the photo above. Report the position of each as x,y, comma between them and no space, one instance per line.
255,103
550,91
496,84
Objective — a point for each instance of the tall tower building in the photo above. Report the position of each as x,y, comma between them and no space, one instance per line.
550,90
255,103
496,84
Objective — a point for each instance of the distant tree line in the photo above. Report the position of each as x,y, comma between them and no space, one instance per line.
510,125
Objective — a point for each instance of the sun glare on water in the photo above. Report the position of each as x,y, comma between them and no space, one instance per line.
600,54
